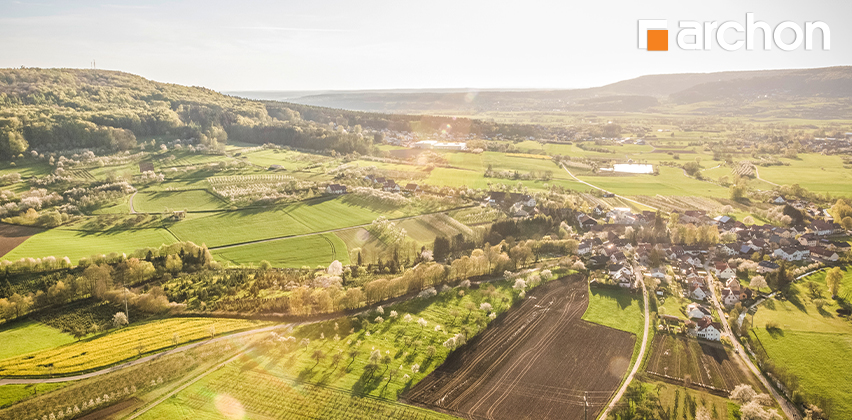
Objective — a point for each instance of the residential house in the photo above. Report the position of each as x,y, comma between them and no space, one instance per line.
412,188
823,254
723,270
698,292
335,189
697,311
585,247
791,253
822,228
708,330
764,267
730,297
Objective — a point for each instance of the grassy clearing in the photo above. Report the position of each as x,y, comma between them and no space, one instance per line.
57,241
193,200
309,251
360,238
424,229
27,337
118,345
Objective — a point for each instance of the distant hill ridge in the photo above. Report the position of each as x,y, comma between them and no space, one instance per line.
737,90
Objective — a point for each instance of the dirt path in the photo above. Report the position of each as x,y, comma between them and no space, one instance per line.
608,192
789,409
132,210
644,345
757,175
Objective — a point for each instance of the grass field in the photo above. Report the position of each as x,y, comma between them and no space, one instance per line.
424,229
616,309
230,227
817,173
118,345
671,181
27,337
192,200
361,239
813,344
57,242
820,361
311,251
10,394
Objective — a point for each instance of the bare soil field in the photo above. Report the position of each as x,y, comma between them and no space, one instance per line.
13,235
697,364
539,361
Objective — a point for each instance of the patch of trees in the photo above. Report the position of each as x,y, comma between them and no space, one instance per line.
516,228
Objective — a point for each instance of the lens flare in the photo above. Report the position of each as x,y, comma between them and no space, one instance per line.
229,407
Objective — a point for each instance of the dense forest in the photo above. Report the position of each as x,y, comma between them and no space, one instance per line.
60,109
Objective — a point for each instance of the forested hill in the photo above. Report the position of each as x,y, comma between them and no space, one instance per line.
62,109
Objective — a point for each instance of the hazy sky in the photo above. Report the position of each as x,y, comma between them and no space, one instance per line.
352,44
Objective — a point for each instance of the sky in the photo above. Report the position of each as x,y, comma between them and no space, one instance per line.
354,44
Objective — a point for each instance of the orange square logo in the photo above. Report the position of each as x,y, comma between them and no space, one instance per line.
658,40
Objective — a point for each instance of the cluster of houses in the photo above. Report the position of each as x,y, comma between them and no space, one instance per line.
516,204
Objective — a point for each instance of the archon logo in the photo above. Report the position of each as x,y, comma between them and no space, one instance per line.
654,34
732,35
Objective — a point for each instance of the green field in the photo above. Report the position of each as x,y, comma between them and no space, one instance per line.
192,200
231,227
10,394
118,345
310,251
616,309
817,173
671,181
813,344
75,244
820,361
27,337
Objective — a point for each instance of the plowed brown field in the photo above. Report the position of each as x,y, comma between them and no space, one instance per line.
13,235
538,362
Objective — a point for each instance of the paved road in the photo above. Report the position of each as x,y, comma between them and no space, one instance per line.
608,192
789,409
641,279
14,381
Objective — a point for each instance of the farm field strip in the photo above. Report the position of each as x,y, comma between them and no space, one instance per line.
117,346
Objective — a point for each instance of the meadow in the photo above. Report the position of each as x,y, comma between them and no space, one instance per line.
316,215
57,242
811,343
312,250
616,309
119,345
192,200
29,336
